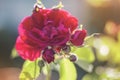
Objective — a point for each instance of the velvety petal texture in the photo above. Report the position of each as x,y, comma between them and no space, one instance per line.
27,51
47,27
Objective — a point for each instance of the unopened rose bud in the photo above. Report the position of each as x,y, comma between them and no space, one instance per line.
66,49
73,58
48,55
77,38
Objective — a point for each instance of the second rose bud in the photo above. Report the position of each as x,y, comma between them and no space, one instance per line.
78,37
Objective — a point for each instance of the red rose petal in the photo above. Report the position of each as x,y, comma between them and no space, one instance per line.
26,51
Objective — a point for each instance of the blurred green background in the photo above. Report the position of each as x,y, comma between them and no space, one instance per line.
97,16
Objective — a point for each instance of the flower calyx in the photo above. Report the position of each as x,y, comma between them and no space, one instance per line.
59,6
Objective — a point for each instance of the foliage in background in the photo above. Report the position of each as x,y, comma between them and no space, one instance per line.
107,52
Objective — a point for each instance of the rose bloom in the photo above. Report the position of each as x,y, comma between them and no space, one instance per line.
46,28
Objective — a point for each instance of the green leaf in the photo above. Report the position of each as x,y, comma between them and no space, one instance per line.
110,42
89,40
91,76
84,53
67,70
113,46
30,70
85,65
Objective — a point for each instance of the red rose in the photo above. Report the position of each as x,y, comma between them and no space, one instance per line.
46,27
77,38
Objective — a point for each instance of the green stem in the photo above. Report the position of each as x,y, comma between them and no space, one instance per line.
35,69
48,77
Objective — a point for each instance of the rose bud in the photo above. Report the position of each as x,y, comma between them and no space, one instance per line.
66,49
48,55
77,38
73,58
